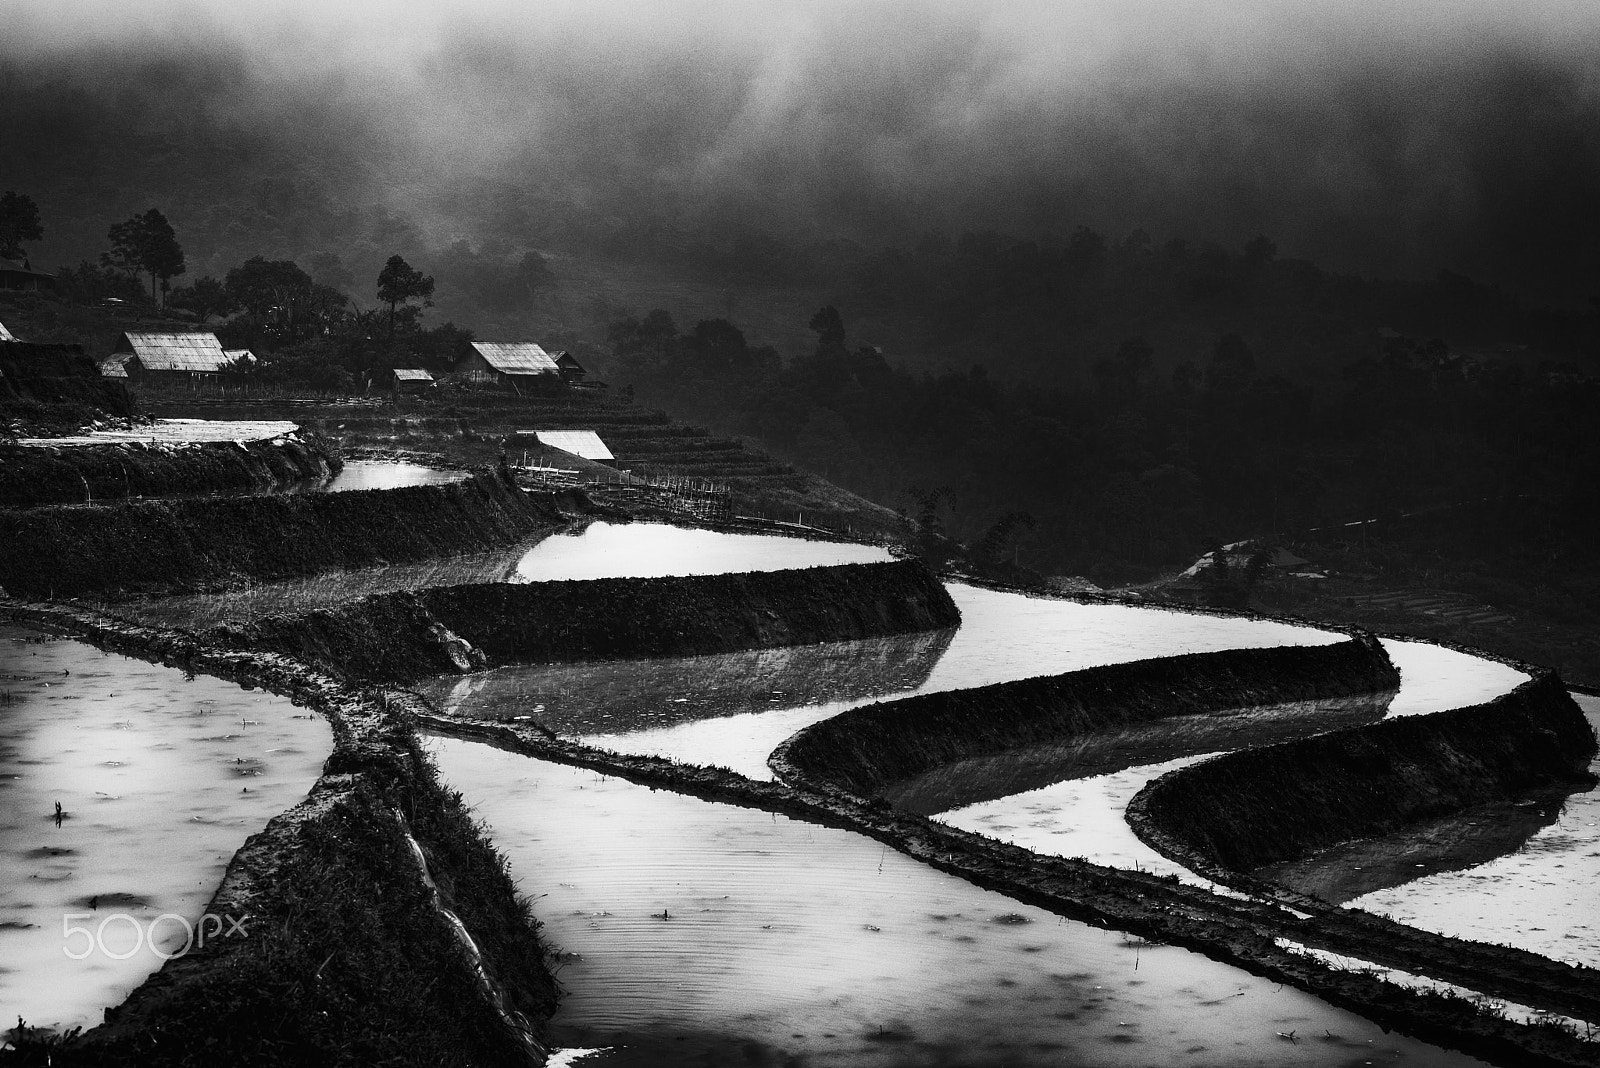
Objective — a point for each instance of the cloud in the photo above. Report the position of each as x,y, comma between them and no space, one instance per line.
1382,137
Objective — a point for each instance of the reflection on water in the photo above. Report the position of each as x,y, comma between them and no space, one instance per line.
634,695
160,779
1542,897
1082,818
697,933
1002,636
1026,768
1433,678
651,550
1462,840
384,474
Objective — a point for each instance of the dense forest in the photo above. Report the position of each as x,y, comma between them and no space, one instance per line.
1139,469
1089,407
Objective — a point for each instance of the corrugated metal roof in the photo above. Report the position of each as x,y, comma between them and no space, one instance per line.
198,351
584,443
6,335
411,374
239,356
517,357
114,367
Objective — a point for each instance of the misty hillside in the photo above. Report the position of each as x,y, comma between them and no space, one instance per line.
1149,280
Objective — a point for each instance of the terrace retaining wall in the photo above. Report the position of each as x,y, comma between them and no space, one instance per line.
399,637
166,546
1242,810
865,750
78,474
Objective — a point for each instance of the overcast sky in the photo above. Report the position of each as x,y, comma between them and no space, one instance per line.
1393,137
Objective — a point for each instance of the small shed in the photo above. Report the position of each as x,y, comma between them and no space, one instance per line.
570,368
583,443
518,364
172,355
240,359
14,275
410,380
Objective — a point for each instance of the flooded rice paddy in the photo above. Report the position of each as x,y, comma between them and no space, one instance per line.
652,550
602,550
175,432
1543,896
385,474
159,778
696,933
738,719
1085,816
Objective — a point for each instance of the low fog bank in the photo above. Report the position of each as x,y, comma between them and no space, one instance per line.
1382,139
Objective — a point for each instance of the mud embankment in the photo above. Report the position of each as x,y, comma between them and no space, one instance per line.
82,474
54,389
169,546
1236,930
356,952
401,637
867,750
1243,810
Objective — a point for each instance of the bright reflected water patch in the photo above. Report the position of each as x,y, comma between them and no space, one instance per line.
176,432
1079,818
160,778
1003,636
698,933
651,550
1433,678
387,474
1542,898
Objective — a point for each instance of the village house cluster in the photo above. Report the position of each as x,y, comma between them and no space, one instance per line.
524,367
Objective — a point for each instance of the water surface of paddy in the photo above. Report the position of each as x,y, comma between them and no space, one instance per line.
650,550
175,432
698,933
603,550
160,777
385,474
1543,897
737,720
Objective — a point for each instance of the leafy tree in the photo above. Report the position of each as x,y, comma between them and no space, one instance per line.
19,222
88,283
145,242
206,297
829,326
282,299
534,272
400,283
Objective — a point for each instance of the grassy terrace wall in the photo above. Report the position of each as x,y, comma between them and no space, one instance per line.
350,958
1243,810
173,545
55,388
864,750
396,637
77,474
